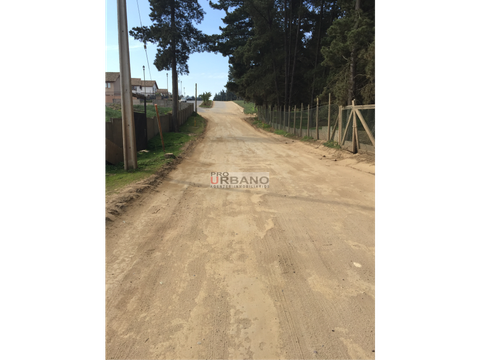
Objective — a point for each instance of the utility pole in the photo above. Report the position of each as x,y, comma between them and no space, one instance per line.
128,124
168,96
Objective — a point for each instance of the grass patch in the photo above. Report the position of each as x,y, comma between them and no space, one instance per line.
262,125
112,113
115,110
283,132
306,138
332,144
150,162
248,107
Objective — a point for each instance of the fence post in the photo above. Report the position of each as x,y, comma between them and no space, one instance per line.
277,117
328,116
340,111
160,127
301,120
308,120
316,121
275,114
354,129
294,119
289,112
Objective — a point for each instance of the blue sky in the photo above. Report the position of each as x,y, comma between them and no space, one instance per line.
208,70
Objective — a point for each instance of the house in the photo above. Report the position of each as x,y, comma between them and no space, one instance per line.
113,88
148,87
163,93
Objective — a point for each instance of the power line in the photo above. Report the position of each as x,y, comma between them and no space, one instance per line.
148,62
138,8
144,43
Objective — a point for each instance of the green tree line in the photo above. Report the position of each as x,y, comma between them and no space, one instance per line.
225,96
281,52
287,52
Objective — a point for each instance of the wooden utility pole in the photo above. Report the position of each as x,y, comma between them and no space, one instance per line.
316,121
128,124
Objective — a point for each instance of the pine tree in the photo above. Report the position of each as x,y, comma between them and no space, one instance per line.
287,52
349,54
176,38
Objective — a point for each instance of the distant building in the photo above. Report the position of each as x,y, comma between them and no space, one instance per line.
113,89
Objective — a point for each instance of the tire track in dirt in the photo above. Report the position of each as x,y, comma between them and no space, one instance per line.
285,272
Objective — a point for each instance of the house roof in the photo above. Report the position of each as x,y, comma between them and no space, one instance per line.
137,82
112,76
140,82
149,83
162,91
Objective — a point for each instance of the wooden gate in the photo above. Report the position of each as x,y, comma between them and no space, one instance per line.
350,129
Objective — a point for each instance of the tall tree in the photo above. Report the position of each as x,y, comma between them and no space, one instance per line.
286,52
352,89
176,37
350,53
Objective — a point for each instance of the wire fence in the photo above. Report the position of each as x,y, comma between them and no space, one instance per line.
326,122
302,121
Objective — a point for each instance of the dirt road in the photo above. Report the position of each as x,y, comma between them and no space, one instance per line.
280,273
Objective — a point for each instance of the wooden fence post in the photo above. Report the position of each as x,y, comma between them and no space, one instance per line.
289,112
294,119
328,136
340,111
160,127
316,121
301,120
308,120
354,129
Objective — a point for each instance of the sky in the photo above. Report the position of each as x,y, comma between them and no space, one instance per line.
208,70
